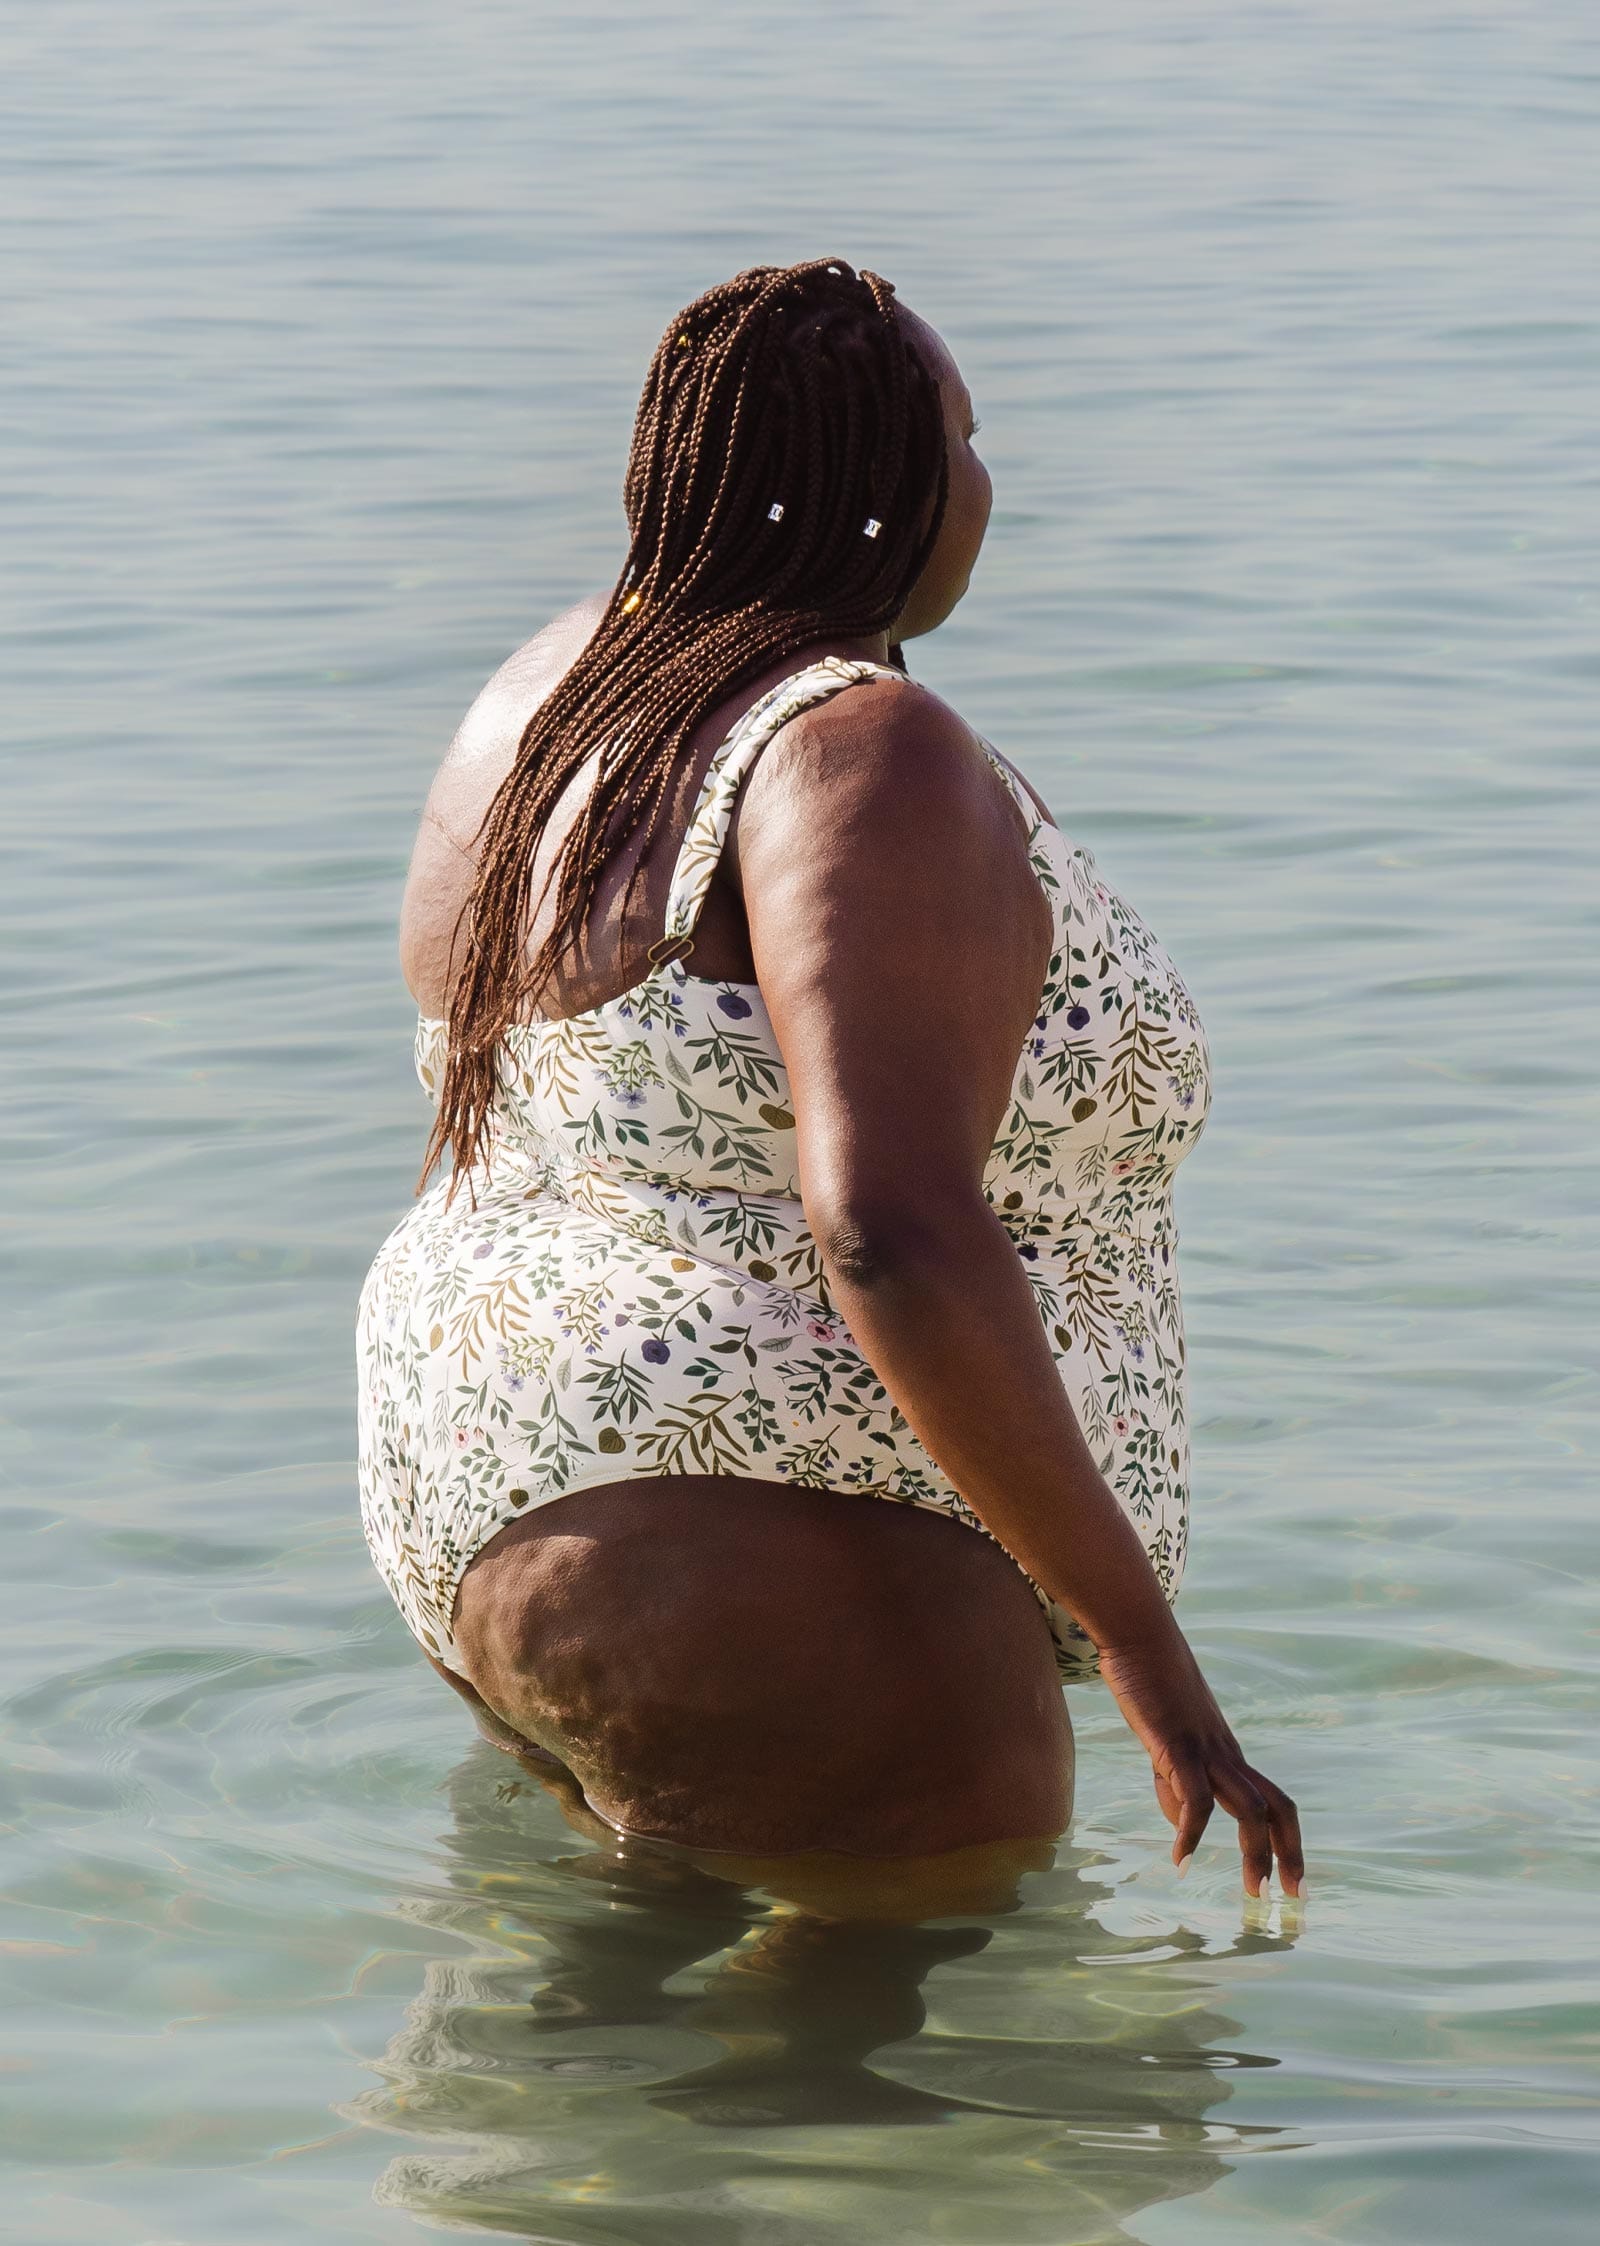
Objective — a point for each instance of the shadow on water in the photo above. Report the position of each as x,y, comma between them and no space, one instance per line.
631,2047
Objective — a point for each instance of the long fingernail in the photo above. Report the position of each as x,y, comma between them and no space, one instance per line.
1184,1863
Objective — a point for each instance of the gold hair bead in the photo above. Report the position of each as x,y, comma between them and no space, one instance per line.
630,604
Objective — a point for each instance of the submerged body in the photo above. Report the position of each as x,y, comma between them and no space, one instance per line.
631,1314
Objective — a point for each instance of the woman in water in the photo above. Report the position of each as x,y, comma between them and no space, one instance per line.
786,1388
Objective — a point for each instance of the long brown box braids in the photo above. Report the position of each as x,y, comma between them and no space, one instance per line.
793,386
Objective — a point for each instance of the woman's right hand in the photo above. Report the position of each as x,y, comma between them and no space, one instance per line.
1197,1761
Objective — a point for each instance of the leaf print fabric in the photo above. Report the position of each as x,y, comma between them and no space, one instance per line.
636,1292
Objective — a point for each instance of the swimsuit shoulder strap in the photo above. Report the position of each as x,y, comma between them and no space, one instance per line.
707,830
1033,818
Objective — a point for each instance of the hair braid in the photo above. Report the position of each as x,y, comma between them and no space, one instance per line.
794,384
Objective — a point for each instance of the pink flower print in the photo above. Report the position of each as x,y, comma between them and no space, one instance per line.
1121,1169
461,1438
819,1329
1120,1424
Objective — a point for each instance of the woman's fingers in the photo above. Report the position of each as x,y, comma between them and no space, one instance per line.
1243,1799
1189,1782
1284,1820
1269,1824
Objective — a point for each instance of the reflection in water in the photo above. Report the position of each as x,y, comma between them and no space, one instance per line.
610,1996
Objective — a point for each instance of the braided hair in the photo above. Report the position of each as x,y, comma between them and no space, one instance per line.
790,386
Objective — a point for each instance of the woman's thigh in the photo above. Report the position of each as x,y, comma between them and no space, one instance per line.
747,1665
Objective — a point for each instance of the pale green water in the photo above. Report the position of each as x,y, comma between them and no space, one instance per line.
325,328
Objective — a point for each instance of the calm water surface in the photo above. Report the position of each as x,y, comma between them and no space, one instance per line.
325,329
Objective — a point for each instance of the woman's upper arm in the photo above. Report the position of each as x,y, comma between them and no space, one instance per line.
901,941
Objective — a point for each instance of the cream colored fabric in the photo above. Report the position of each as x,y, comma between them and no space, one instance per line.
637,1294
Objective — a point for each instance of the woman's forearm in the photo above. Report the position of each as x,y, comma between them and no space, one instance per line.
938,1300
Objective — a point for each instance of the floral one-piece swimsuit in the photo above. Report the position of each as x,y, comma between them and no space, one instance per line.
636,1292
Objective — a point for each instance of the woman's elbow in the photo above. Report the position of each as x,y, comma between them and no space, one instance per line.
868,1242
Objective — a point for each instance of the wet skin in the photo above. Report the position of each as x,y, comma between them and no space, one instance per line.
739,1664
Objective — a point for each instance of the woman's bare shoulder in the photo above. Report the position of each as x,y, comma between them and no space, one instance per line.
892,736
485,742
444,855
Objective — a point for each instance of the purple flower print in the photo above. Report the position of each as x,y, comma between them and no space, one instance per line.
1077,1017
484,1248
655,1351
629,1096
621,1318
1026,1248
733,1005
